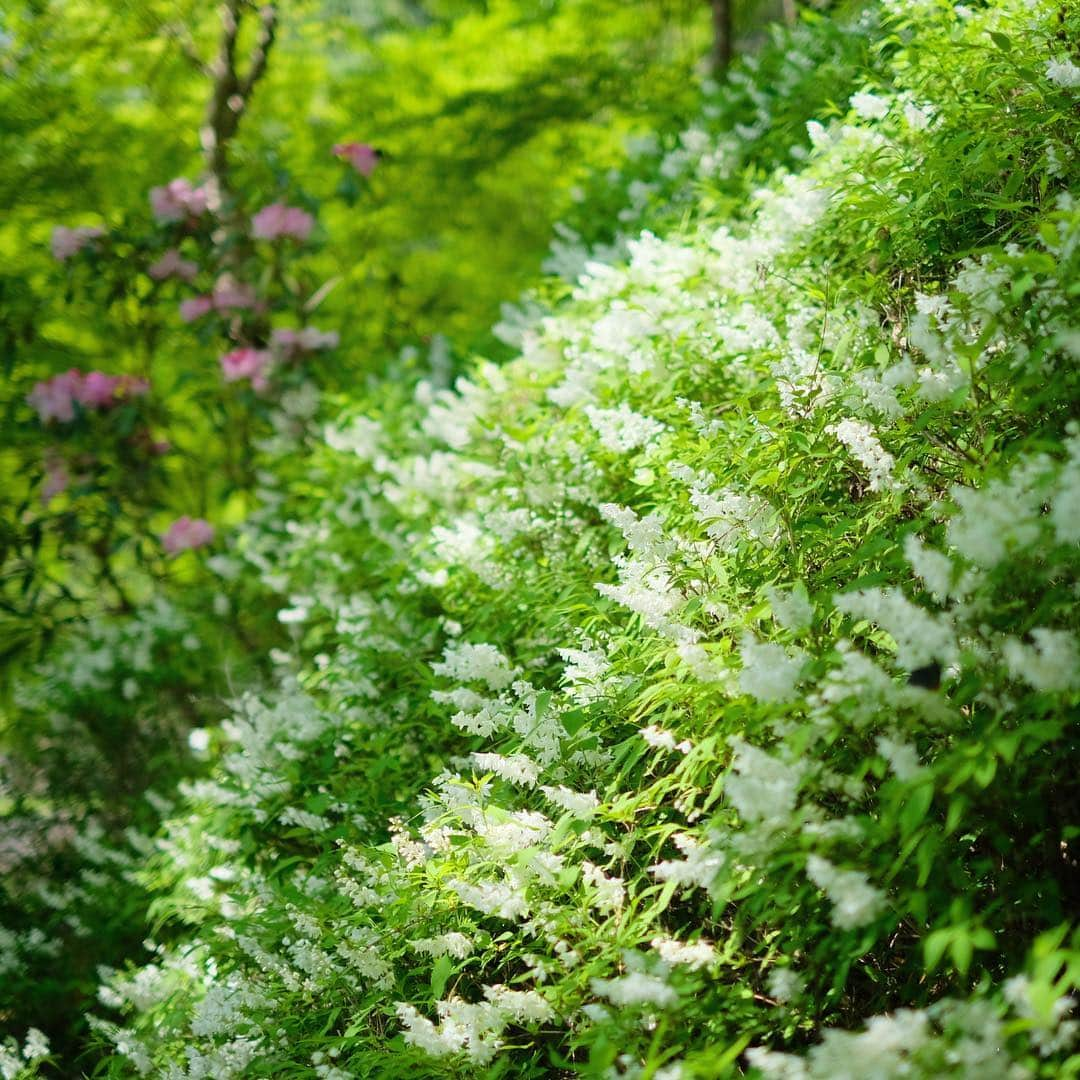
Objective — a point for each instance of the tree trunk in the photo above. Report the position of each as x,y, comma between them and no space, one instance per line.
721,50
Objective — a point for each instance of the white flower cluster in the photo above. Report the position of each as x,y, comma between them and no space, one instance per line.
474,1030
15,1061
855,901
859,438
761,786
1063,73
692,954
476,663
622,430
636,990
770,672
948,1039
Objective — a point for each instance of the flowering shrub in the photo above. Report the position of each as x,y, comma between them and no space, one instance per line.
693,694
112,481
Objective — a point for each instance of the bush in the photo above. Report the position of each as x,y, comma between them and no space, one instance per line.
694,693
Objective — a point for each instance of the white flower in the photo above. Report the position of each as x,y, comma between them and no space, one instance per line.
36,1045
293,615
855,901
644,535
647,591
637,988
1051,1032
791,608
664,740
770,672
584,672
859,438
465,543
902,757
921,638
870,106
523,1006
199,740
622,430
918,117
731,516
362,438
582,804
697,869
784,984
1051,662
451,944
516,769
476,663
760,786
610,891
492,898
935,569
692,954
1063,73
1065,512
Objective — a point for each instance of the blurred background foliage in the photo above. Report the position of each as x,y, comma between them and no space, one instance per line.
487,115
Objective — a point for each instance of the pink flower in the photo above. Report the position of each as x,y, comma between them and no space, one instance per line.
186,533
54,399
172,264
68,242
278,220
290,342
178,200
97,390
231,294
362,157
228,295
246,363
196,308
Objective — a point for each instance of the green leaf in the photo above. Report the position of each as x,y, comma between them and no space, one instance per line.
961,951
440,972
934,947
916,804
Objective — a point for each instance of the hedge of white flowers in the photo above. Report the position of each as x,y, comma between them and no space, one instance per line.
694,694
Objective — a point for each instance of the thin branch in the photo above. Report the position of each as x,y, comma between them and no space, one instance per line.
181,35
259,54
232,92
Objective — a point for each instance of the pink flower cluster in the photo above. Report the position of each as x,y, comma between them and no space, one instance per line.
362,157
277,220
55,398
178,200
247,363
173,264
289,342
228,295
186,533
68,242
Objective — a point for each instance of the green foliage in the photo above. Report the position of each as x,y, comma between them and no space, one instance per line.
692,692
